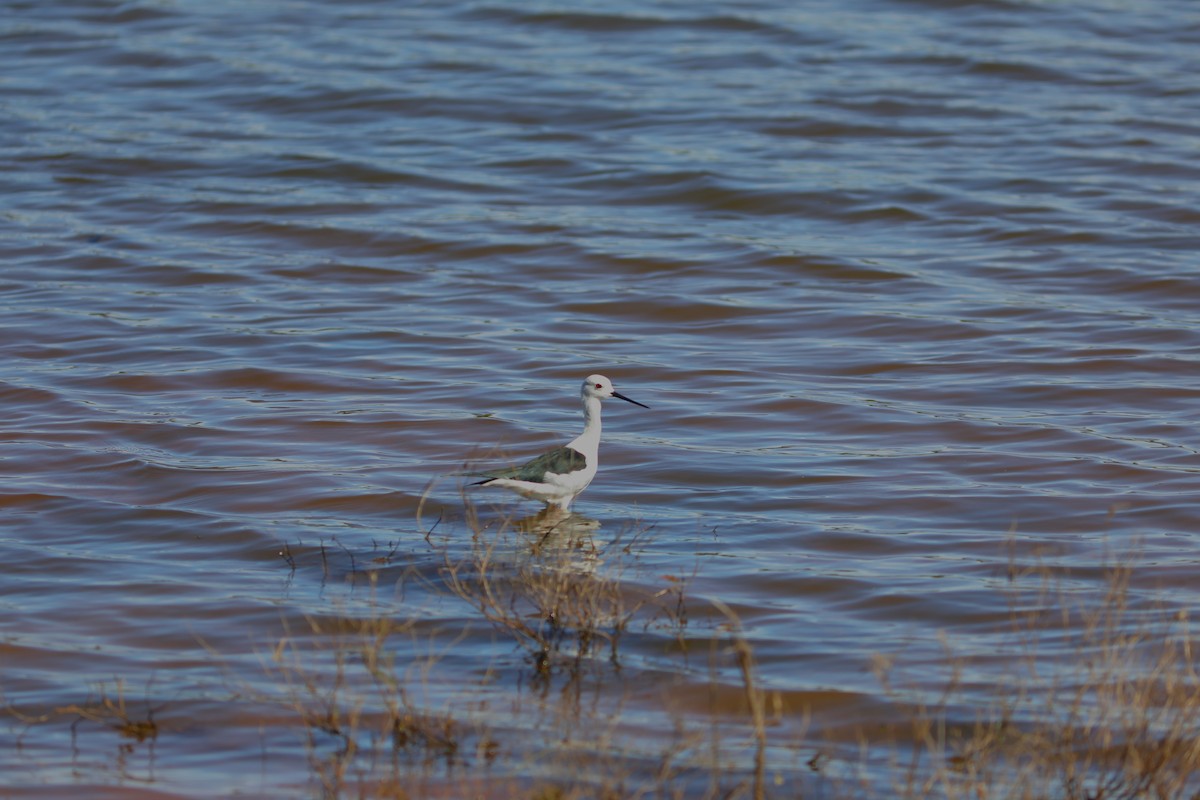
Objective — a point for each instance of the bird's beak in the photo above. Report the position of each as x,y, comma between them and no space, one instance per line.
627,400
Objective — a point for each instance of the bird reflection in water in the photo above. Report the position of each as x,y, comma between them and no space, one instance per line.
555,530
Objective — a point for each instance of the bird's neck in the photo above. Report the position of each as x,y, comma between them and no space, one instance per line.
589,440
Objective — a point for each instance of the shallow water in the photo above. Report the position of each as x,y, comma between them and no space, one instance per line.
902,282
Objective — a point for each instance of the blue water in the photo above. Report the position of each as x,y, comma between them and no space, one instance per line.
908,286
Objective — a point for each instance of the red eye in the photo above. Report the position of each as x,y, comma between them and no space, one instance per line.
599,386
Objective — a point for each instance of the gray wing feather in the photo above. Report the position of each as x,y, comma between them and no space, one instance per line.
560,460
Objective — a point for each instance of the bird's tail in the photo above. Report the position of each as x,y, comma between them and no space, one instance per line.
488,477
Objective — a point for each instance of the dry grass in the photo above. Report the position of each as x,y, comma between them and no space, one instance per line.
133,722
111,709
368,727
558,593
1091,693
1101,701
545,583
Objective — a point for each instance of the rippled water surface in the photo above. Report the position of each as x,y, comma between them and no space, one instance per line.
908,285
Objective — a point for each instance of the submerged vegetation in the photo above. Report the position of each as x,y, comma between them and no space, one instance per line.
1099,701
1091,696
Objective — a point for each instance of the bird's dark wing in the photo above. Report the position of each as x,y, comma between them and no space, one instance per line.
560,461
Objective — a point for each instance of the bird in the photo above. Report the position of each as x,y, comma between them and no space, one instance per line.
558,476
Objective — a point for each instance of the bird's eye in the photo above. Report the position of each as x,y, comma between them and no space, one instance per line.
599,386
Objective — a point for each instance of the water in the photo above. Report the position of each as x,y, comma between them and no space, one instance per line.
901,281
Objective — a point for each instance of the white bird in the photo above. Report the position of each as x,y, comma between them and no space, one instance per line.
558,476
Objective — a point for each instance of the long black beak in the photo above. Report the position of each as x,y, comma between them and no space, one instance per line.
627,400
